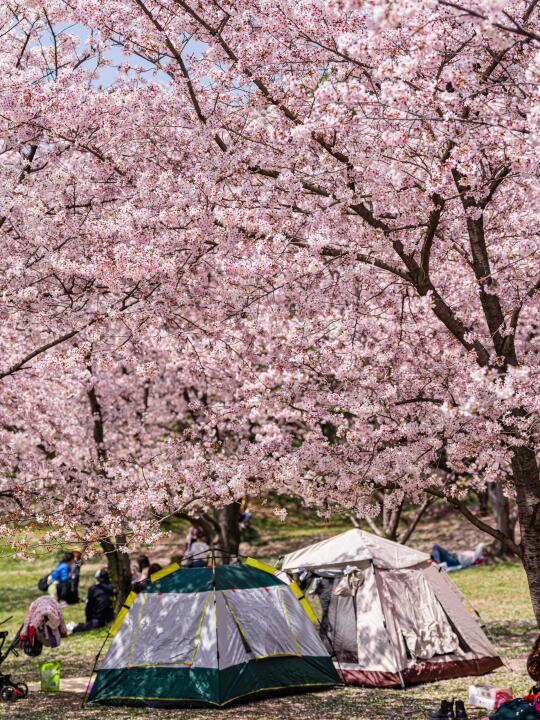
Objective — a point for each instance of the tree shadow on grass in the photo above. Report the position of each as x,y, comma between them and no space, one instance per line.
513,639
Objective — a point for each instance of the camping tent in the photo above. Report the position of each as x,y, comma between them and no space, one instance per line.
390,616
209,636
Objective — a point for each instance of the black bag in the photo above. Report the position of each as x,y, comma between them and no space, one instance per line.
43,584
516,709
32,650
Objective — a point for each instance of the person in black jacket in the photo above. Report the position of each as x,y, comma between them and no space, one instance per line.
99,605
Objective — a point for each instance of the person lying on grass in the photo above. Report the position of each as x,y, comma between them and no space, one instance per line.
459,559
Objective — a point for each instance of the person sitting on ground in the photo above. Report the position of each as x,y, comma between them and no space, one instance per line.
141,570
197,556
99,605
464,558
60,577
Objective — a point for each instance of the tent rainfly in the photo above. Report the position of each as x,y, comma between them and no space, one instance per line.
391,616
211,636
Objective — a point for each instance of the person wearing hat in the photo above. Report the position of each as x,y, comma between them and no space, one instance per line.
99,605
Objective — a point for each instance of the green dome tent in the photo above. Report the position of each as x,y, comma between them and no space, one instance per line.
211,636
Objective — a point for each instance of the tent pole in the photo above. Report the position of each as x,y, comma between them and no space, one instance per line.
386,628
96,660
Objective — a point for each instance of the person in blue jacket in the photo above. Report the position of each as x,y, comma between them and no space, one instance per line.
61,576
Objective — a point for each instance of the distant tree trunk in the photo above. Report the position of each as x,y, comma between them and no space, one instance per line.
118,562
119,567
221,528
501,512
527,482
483,502
387,523
228,520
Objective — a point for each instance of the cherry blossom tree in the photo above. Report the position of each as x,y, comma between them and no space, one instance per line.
328,208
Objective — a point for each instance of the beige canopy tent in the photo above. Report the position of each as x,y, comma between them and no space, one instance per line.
390,616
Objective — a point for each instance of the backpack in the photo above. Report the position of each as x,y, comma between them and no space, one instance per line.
517,709
32,649
43,583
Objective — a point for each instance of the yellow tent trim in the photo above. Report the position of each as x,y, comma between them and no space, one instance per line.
115,627
199,633
279,654
260,565
236,621
119,620
303,602
164,572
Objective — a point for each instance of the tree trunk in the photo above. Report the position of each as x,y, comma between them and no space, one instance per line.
527,483
501,511
229,531
119,567
483,502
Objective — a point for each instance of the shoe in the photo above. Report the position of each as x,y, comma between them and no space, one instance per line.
445,712
461,713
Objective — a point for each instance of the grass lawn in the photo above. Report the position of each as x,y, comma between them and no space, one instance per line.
499,593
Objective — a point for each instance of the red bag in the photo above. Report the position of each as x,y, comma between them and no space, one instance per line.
502,697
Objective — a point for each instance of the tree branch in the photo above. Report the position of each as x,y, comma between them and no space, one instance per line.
515,28
433,224
407,533
38,351
480,524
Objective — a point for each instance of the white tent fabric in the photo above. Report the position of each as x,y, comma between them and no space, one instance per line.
179,629
375,648
145,638
424,626
355,548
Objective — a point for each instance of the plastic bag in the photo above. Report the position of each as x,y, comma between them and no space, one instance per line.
50,675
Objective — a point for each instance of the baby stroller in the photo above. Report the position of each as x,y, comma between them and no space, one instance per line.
10,691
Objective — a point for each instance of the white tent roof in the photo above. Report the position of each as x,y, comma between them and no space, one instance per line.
353,548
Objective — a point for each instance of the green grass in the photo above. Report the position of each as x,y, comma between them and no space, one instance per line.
496,591
499,593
